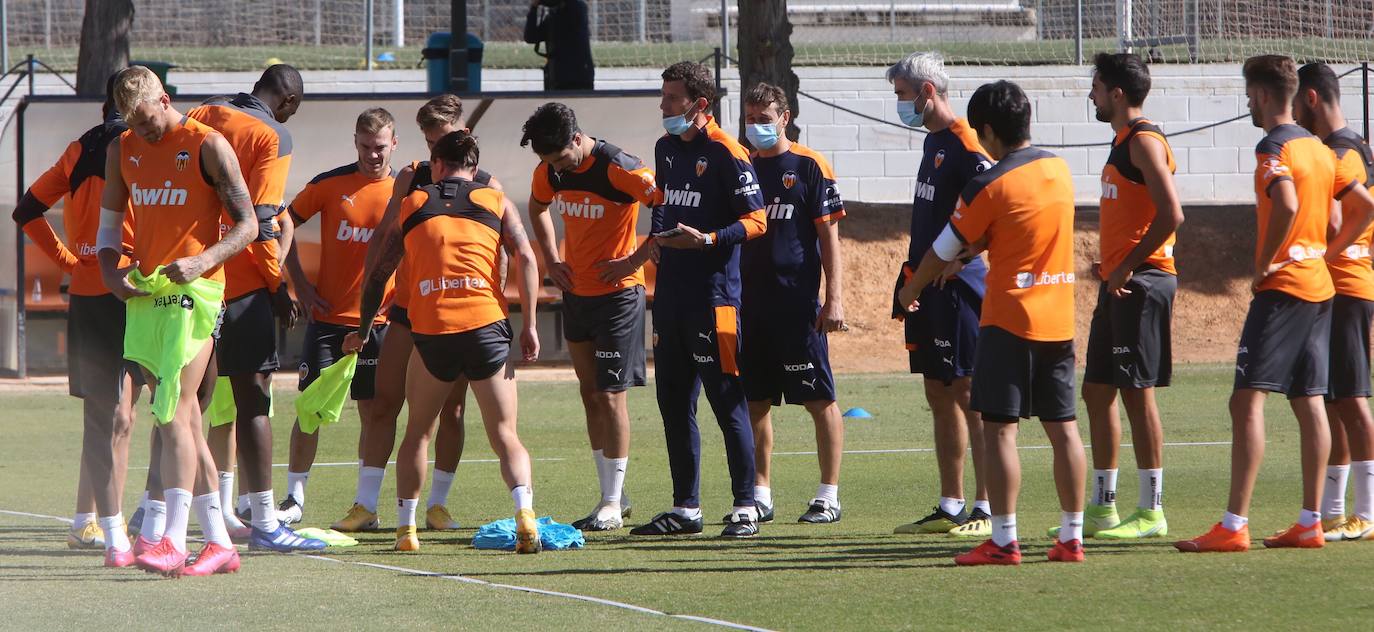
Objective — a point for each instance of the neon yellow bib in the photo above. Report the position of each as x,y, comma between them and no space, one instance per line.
166,329
222,408
322,402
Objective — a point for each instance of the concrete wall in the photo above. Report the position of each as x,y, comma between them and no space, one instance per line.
876,161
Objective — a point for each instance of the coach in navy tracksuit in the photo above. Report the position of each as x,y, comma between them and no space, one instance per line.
711,205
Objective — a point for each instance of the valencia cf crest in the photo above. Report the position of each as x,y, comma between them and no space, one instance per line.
789,179
939,158
701,166
183,159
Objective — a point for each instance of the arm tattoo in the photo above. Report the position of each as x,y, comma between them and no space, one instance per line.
233,194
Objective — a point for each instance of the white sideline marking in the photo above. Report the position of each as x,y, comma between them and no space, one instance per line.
1173,444
479,582
355,463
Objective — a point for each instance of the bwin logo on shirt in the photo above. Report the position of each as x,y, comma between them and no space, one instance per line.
574,209
165,196
359,234
1109,190
682,197
429,286
925,191
777,210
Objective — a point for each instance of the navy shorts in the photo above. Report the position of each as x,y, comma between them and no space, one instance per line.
783,357
323,347
942,336
95,348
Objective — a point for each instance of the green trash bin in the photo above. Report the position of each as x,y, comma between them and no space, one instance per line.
160,69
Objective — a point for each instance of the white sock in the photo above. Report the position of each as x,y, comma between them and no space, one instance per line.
154,521
951,506
1333,494
599,460
829,493
295,485
370,486
763,495
178,514
438,490
143,501
1104,487
1308,518
615,475
523,497
226,492
264,509
984,505
1232,522
752,511
405,511
211,518
242,505
1070,526
1151,489
115,536
79,520
226,500
1364,488
1004,529
690,513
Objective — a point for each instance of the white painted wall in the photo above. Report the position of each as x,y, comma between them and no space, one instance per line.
876,162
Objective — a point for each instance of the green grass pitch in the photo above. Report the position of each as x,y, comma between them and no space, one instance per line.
851,575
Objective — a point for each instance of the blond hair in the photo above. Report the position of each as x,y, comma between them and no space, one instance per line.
445,109
133,86
373,121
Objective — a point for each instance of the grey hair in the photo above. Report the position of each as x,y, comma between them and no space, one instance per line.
921,67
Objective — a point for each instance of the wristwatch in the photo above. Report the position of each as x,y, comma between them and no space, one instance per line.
709,239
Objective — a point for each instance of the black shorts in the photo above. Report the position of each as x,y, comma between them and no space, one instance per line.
323,347
942,336
248,335
783,357
1018,378
1285,346
614,323
1129,344
95,348
399,316
477,354
1349,372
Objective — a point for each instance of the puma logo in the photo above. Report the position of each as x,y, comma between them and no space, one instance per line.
615,372
135,160
348,198
949,361
1124,369
811,384
1240,368
669,160
705,335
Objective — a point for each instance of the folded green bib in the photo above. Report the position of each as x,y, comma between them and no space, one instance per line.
322,402
166,329
222,409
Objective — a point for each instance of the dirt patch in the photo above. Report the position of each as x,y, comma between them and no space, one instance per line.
1214,251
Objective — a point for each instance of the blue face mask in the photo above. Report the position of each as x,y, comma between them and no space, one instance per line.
762,136
911,117
677,125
